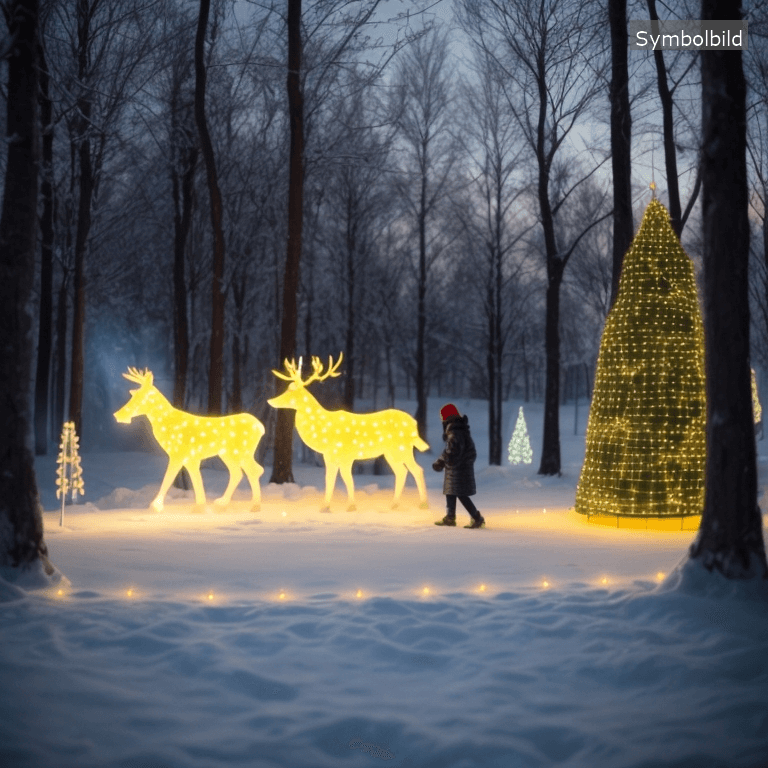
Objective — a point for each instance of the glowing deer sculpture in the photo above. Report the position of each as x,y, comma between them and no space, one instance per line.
343,437
188,439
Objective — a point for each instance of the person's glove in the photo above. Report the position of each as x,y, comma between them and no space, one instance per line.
439,465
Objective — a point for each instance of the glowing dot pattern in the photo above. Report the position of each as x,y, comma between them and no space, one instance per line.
343,437
645,444
188,439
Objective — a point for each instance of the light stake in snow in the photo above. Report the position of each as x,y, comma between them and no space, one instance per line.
69,475
188,439
343,437
645,446
520,451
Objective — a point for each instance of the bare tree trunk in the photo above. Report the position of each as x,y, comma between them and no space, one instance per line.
670,153
421,307
550,454
238,294
621,138
181,223
282,469
60,381
216,362
45,322
730,538
85,198
349,384
21,524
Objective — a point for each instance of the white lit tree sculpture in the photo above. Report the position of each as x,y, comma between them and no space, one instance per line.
343,437
520,451
645,446
69,475
188,439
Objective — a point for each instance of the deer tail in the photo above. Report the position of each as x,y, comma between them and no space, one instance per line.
419,444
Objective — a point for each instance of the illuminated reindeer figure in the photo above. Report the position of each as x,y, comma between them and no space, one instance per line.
343,437
188,439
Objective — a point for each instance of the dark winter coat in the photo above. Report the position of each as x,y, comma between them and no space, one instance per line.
458,458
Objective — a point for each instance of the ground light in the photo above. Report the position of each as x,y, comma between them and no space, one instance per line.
645,443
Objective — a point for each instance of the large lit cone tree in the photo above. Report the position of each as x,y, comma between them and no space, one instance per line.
645,446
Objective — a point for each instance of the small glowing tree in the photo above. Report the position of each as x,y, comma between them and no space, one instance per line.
520,451
69,475
645,447
757,409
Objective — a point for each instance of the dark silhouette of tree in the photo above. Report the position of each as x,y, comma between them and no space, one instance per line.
21,524
730,538
282,468
667,99
424,124
551,53
82,144
218,296
45,321
621,140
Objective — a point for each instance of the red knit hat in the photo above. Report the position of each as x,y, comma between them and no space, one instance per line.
449,410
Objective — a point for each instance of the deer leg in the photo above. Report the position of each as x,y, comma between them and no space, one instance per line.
197,482
418,476
346,476
253,472
235,476
400,474
174,465
330,481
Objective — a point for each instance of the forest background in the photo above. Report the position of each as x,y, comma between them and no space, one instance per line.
428,240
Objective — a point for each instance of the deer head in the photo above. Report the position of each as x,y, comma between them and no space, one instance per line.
290,398
137,405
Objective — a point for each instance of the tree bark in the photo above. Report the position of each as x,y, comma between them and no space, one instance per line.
282,470
550,451
349,356
550,454
21,525
85,198
670,153
216,352
621,137
421,304
182,221
45,322
730,538
60,380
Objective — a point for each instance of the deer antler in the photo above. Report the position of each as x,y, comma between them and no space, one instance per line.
294,371
137,376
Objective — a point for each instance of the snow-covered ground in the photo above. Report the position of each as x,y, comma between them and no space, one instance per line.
302,639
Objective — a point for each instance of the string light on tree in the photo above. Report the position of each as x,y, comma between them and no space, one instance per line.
645,445
69,475
520,451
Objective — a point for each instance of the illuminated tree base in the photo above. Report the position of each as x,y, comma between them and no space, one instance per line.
645,522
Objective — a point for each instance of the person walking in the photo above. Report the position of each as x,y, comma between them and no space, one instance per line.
458,461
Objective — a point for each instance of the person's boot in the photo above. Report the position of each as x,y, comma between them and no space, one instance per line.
447,520
477,522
